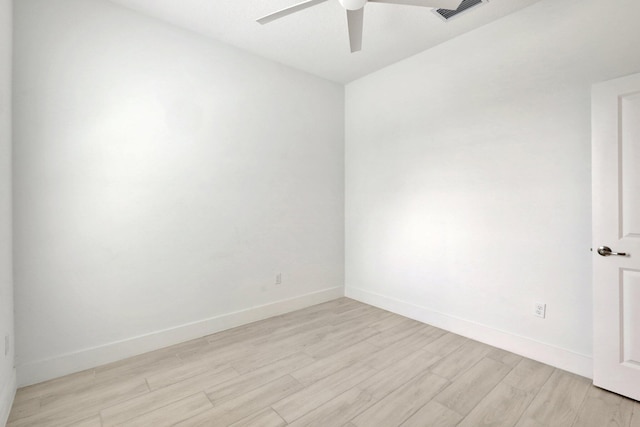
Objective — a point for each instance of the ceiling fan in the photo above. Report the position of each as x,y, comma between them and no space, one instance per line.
355,13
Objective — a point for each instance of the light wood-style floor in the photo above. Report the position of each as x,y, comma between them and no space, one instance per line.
340,363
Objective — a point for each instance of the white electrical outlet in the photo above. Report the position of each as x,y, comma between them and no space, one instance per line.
278,278
540,309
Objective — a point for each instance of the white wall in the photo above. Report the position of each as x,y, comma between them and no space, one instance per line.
7,372
162,180
468,177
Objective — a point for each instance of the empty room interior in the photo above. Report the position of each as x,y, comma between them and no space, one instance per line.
320,213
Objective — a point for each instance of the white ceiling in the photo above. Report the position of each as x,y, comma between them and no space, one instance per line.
316,39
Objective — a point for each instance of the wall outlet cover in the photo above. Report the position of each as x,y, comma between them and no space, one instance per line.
540,309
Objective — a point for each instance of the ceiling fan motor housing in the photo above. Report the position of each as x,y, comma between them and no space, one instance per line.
353,4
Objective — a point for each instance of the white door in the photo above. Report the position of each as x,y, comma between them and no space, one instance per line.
616,225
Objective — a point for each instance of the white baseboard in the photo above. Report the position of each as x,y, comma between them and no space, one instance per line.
549,354
7,394
43,370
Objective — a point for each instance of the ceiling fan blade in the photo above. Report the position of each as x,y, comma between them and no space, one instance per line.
438,4
288,11
354,20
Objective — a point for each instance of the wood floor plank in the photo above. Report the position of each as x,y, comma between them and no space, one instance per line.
388,322
309,314
265,418
340,363
401,372
331,364
183,347
93,393
558,401
529,375
528,422
470,387
84,403
364,314
333,343
317,323
235,387
303,336
123,411
137,367
445,344
58,386
635,419
23,408
297,404
89,422
246,404
326,311
373,317
316,328
457,362
502,407
433,414
348,405
504,356
403,402
173,413
387,356
338,411
424,336
264,356
348,305
223,355
363,320
225,339
394,334
158,380
604,409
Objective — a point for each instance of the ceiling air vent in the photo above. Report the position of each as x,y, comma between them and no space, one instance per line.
465,6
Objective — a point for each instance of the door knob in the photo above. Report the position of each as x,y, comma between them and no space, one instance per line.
606,251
